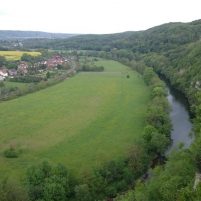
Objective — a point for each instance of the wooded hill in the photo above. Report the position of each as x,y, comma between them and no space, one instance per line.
159,38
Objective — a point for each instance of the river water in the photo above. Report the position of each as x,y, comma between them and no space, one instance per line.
180,118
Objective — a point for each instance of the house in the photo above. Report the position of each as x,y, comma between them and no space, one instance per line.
22,68
3,72
54,61
12,72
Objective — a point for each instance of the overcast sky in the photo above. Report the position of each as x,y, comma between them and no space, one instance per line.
94,16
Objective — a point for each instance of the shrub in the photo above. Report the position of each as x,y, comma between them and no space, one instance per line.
11,152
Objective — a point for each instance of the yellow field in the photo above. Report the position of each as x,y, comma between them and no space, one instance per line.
16,55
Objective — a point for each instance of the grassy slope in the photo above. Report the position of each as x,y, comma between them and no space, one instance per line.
80,122
16,55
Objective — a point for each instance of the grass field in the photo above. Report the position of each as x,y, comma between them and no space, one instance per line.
16,55
81,122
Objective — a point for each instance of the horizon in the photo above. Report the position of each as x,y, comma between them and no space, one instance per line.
94,17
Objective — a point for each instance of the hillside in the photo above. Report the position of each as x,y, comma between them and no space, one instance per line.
160,38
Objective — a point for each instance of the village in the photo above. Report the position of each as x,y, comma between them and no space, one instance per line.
25,68
30,74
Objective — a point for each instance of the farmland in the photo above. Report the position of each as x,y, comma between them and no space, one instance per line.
81,122
16,55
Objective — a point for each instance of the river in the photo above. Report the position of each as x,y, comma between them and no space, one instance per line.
180,118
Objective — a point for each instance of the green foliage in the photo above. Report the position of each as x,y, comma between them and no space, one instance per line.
88,65
82,193
168,183
138,160
49,183
158,92
26,57
148,75
117,176
197,153
48,75
31,58
2,61
92,68
11,64
2,84
11,152
26,79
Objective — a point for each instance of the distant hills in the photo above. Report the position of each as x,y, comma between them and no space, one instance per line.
156,39
13,35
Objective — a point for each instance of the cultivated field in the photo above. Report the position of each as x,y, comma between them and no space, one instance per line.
16,55
81,122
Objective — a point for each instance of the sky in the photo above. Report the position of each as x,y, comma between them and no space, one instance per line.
94,16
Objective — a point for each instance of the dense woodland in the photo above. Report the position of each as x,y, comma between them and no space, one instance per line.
172,50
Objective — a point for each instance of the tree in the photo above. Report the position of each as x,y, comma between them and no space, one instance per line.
137,160
27,57
49,183
2,61
54,189
158,91
2,84
48,75
148,75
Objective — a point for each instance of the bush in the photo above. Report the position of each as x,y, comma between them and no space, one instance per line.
11,153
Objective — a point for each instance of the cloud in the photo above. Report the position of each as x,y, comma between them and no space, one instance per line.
94,16
2,13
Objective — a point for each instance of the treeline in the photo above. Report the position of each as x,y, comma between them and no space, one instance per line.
157,131
27,79
88,68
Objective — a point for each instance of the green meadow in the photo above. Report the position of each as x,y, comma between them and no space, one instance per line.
82,122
